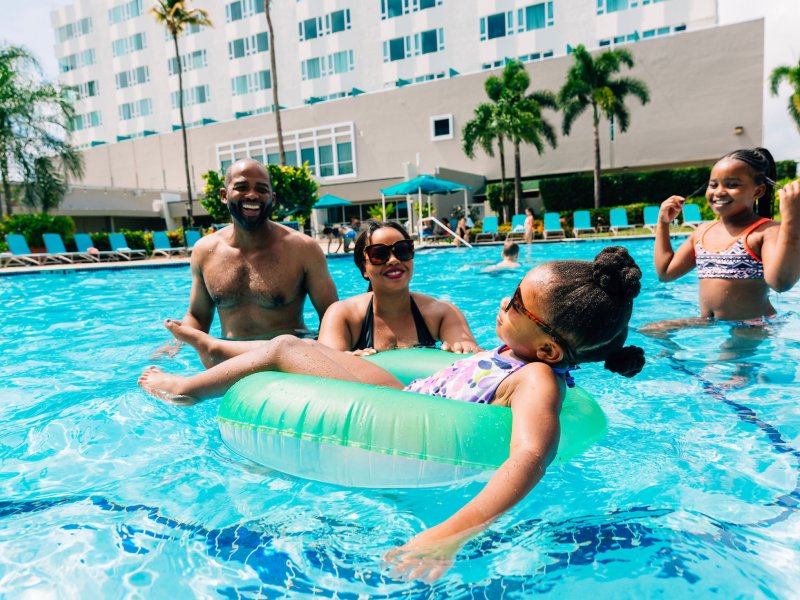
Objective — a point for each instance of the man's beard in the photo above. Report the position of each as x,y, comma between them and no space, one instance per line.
250,223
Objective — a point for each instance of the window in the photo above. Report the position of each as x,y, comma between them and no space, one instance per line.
428,41
251,82
86,121
240,9
236,48
189,62
396,8
310,29
311,68
326,161
126,45
125,11
609,6
497,25
442,127
76,61
307,156
239,85
86,90
73,30
535,17
132,110
339,20
133,77
396,49
341,62
196,95
344,155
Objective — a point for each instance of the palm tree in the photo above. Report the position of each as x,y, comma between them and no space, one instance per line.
592,82
176,16
273,66
792,77
484,129
34,126
521,120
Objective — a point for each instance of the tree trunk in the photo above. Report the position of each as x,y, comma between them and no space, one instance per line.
275,101
6,187
517,179
189,207
596,133
502,152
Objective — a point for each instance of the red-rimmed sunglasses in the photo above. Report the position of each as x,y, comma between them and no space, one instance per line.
517,304
378,254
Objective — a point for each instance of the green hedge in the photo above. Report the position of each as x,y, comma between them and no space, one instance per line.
33,226
575,192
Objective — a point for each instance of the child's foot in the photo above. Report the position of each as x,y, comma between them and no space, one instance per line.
164,386
204,344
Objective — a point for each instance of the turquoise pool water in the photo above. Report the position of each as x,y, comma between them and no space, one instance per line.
106,492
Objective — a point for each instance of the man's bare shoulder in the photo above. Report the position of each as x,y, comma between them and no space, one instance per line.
211,242
295,240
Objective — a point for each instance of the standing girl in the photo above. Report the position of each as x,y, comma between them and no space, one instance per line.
743,253
562,313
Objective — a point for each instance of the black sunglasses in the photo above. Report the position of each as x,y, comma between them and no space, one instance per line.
378,254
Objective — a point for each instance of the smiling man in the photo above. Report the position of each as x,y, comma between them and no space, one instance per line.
256,274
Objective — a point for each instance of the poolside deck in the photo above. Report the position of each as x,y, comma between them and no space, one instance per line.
154,263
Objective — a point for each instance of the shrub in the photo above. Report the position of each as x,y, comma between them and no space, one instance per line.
32,226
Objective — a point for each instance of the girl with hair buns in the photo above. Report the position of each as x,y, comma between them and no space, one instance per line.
562,313
743,253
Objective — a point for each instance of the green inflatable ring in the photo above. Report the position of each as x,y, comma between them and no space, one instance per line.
360,435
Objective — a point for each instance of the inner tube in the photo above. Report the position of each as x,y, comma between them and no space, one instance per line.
358,435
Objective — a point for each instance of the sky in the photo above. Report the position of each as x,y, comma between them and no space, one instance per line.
27,22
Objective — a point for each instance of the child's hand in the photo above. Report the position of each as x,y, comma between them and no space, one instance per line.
461,347
790,201
425,558
670,208
363,352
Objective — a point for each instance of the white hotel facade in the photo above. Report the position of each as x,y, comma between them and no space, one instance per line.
368,85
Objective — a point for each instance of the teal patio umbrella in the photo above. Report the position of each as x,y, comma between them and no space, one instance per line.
330,201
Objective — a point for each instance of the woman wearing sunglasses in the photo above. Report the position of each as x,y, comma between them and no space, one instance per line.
562,313
389,315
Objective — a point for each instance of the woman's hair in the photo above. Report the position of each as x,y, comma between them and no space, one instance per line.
763,168
364,238
591,305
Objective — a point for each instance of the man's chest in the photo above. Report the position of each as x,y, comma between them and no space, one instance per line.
237,282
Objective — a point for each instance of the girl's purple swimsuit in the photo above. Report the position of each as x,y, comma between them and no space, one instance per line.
475,378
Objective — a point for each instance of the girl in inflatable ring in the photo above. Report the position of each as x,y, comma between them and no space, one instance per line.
562,313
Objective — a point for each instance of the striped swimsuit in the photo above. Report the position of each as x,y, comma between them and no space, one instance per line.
737,261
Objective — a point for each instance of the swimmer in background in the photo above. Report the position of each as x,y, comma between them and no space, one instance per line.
510,255
529,222
562,313
741,255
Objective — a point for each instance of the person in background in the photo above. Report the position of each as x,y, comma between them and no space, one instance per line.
510,255
528,225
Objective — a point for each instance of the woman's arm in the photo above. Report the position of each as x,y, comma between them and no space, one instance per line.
780,251
672,265
334,330
535,405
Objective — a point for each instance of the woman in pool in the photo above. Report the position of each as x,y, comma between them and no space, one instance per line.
389,315
743,253
562,313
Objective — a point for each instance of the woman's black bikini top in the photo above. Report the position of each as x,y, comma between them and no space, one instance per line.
367,337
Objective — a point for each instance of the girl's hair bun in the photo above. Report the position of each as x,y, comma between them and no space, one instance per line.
627,361
616,273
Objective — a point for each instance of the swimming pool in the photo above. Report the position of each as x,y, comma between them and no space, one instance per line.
106,492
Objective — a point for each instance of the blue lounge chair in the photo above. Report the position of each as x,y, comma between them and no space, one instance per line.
162,247
619,220
19,249
582,222
517,228
552,226
84,243
55,246
489,229
651,218
192,236
120,246
691,215
19,253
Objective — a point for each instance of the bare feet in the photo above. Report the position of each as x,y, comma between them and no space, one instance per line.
164,386
203,343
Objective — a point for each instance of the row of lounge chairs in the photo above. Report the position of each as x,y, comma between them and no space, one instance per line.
581,223
20,254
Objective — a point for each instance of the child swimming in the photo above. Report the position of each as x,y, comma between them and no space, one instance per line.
744,253
562,313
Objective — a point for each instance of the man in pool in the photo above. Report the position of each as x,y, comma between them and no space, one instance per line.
256,274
